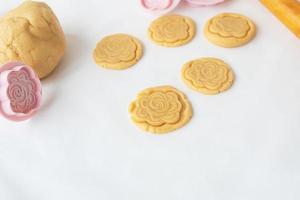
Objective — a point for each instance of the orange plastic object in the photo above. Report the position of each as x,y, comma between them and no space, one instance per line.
287,11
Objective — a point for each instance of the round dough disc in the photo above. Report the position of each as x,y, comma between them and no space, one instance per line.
160,109
118,51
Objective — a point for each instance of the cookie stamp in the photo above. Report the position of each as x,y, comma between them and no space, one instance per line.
156,4
159,7
20,91
199,3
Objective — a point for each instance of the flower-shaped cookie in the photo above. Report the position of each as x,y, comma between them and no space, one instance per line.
160,109
208,75
118,51
172,30
229,30
20,92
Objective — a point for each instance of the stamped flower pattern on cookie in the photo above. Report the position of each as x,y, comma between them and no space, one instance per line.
172,30
208,75
230,26
118,51
230,30
160,109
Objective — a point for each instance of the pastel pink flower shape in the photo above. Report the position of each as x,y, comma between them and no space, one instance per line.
20,92
159,7
156,4
197,3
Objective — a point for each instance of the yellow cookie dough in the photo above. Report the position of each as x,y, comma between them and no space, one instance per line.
229,30
118,51
32,34
172,30
208,75
160,109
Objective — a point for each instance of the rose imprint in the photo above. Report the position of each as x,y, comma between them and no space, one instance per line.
160,109
118,51
229,26
229,30
20,91
208,75
172,30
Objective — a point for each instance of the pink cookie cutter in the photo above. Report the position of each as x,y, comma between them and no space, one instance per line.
20,91
199,3
159,7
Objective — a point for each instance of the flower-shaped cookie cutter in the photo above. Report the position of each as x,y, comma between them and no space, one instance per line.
161,7
201,3
20,91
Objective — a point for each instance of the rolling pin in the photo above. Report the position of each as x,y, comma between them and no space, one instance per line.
287,11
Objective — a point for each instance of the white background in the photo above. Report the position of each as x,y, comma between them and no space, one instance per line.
241,145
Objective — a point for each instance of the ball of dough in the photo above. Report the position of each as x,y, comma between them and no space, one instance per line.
31,34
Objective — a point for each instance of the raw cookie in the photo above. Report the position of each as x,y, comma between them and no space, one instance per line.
208,75
229,30
31,34
172,30
118,51
160,109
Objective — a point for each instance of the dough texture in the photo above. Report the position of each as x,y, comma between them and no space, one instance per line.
229,30
208,75
160,109
118,51
31,34
172,30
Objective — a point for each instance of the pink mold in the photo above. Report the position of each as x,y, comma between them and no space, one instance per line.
156,4
159,7
199,3
20,91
